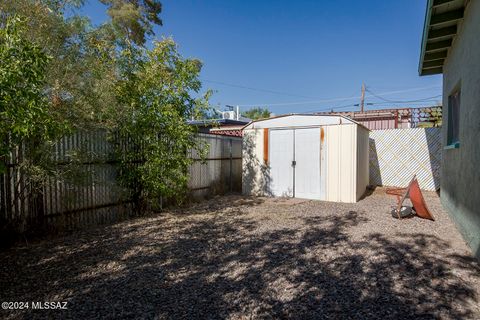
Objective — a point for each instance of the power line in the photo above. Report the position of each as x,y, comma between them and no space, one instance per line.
395,103
256,89
393,89
357,105
379,96
342,98
408,90
297,103
331,108
401,101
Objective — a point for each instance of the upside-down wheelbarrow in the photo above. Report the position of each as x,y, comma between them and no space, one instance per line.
413,192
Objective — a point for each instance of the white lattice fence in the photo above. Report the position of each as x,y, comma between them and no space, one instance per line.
398,154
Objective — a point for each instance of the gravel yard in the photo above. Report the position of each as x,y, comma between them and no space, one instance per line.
235,257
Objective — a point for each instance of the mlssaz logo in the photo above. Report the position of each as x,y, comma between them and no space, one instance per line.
49,305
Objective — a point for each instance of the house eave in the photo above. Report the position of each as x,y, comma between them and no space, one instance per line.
440,28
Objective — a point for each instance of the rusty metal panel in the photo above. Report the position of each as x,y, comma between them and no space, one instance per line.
265,146
323,164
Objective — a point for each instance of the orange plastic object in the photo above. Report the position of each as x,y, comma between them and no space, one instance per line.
413,192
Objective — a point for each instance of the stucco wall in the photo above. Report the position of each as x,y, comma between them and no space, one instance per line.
460,182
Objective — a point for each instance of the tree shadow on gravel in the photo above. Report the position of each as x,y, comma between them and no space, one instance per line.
229,264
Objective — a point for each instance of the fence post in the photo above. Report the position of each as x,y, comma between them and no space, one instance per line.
231,163
3,204
9,213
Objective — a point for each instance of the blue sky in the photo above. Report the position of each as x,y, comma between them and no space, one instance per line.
301,56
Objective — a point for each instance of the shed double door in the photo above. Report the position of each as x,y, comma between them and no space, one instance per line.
294,157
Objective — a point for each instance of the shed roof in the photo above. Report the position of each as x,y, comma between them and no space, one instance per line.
302,120
441,26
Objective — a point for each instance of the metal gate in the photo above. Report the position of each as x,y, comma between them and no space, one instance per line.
294,156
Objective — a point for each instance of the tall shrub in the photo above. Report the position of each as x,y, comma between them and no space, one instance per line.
157,91
23,104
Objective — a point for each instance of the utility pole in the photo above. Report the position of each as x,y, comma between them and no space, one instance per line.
362,98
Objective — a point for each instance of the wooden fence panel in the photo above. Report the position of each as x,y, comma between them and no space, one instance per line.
87,192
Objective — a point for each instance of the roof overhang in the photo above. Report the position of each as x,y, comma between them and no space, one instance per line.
441,25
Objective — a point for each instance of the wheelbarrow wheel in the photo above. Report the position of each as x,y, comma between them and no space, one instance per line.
405,212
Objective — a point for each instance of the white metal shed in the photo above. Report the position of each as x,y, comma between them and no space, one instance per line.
323,157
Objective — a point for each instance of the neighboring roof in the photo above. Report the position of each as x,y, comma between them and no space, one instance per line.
332,117
441,25
228,128
217,122
228,131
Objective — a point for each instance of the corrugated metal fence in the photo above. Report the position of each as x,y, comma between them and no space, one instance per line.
397,155
222,170
87,191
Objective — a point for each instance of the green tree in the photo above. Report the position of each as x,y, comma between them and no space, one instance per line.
81,75
23,104
104,77
257,113
156,89
134,19
80,72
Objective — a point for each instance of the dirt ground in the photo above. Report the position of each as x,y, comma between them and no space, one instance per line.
235,258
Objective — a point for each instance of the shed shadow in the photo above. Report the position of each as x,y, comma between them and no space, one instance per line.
375,173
